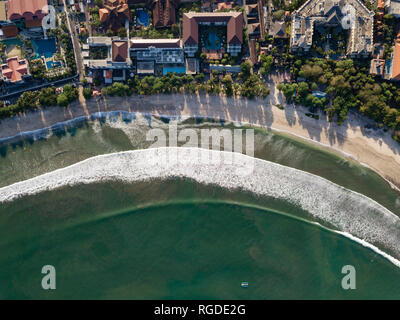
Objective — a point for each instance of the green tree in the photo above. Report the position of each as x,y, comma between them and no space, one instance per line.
87,93
62,100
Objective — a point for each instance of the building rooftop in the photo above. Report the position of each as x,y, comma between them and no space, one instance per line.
278,29
377,67
9,31
164,14
14,69
27,9
119,51
3,11
233,19
114,14
157,43
394,7
396,62
333,13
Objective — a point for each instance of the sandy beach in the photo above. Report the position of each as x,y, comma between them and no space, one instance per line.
371,147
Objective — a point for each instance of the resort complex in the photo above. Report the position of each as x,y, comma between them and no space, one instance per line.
199,149
216,46
200,32
349,15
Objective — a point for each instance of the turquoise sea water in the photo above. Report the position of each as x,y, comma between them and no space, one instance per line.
178,239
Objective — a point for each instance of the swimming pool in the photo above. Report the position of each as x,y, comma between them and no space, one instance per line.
52,64
213,41
174,70
10,42
143,18
45,47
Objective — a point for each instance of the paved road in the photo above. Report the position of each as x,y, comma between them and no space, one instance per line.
76,44
87,22
13,97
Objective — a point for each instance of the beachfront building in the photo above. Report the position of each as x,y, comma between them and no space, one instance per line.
15,70
351,15
393,7
393,65
164,12
108,55
158,56
277,29
211,44
255,19
377,67
26,13
8,30
115,14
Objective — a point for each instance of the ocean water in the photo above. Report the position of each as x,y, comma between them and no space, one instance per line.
194,242
177,239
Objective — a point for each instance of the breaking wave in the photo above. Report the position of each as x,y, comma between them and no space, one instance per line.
351,214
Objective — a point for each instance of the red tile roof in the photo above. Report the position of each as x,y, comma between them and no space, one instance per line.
115,13
234,22
120,51
9,31
18,9
163,12
396,62
14,69
224,5
33,23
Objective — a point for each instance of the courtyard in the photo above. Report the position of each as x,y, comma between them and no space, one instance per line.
213,41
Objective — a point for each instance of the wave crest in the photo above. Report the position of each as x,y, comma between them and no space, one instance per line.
347,211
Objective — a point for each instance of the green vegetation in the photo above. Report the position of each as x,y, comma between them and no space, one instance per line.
245,84
64,38
153,33
98,52
46,97
87,93
388,27
117,89
37,69
288,5
68,95
278,15
266,64
349,86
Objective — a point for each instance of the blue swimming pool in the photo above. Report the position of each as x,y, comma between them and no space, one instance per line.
177,70
213,41
45,47
143,18
52,64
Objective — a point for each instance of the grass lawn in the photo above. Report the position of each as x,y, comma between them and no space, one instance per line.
11,48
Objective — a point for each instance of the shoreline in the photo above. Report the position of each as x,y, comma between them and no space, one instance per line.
374,149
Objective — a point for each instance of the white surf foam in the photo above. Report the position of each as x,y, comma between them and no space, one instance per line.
346,211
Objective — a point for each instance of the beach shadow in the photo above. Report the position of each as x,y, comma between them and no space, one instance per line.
3,151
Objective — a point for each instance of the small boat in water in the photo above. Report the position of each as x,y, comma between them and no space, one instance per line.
244,284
